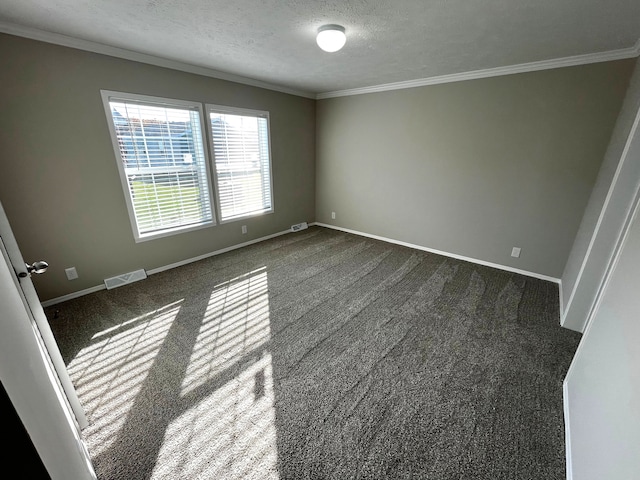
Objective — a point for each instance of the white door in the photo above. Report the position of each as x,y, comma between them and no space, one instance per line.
28,375
36,313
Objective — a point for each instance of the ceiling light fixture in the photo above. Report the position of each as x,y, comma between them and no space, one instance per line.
331,38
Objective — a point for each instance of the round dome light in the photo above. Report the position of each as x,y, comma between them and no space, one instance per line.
331,38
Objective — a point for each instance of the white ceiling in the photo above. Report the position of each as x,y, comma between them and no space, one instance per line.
273,41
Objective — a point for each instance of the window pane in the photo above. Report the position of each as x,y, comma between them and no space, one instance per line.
163,160
241,155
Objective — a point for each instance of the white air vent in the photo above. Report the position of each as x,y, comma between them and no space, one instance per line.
299,226
125,278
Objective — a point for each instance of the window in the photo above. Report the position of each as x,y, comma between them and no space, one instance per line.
242,161
164,166
162,162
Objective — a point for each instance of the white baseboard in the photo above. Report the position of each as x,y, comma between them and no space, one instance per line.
561,300
567,433
217,252
152,271
446,254
71,296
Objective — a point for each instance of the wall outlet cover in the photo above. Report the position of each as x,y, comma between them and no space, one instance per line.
515,252
71,273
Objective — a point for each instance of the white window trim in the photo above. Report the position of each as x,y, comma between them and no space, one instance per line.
246,112
107,96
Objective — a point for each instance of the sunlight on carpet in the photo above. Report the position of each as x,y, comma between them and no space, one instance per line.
231,432
112,369
235,323
225,427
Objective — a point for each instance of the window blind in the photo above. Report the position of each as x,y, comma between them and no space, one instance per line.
162,157
240,145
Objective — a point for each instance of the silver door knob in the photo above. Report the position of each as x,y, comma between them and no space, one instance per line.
37,267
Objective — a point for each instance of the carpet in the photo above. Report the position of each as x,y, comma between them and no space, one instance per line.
321,355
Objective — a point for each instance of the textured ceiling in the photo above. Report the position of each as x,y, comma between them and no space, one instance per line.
389,41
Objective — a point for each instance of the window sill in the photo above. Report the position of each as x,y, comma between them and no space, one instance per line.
172,231
246,215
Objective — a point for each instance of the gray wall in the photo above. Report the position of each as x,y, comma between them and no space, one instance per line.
472,168
59,181
602,386
603,218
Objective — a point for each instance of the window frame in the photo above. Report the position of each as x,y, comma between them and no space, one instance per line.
210,196
224,109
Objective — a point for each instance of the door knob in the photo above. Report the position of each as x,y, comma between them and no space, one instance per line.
37,267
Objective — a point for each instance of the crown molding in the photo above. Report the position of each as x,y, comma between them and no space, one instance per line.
576,60
94,47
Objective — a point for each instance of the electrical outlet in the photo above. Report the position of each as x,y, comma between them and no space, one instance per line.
515,252
244,229
333,215
72,273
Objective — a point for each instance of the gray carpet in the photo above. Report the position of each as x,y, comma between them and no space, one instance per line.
321,355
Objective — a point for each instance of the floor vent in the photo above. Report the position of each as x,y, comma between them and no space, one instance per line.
299,226
125,278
